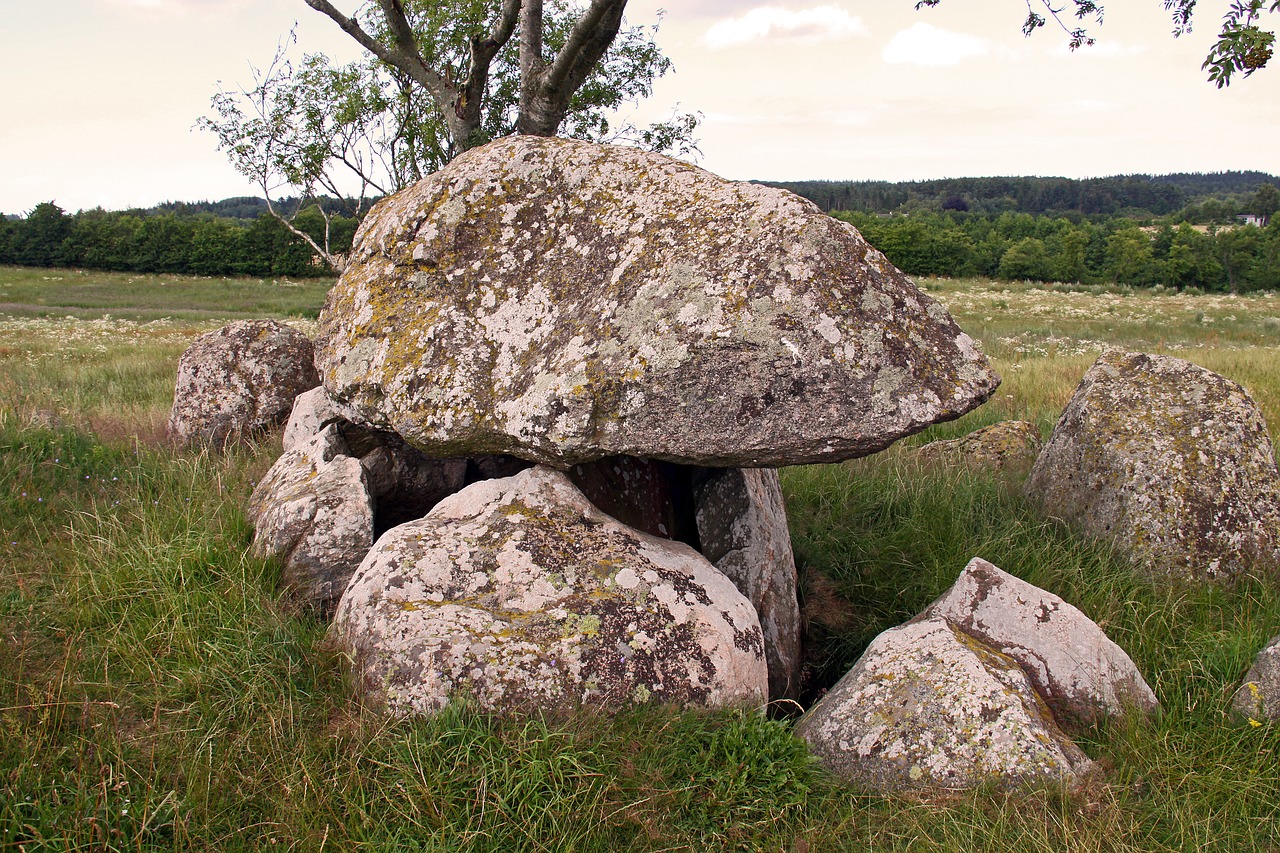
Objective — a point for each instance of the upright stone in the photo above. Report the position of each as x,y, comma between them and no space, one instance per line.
1171,462
563,302
314,511
742,528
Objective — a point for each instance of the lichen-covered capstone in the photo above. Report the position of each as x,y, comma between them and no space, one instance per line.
313,509
1076,668
563,302
1008,446
742,528
1258,698
928,706
239,381
520,595
1171,462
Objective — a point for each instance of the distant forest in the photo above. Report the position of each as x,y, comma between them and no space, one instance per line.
1177,230
1137,196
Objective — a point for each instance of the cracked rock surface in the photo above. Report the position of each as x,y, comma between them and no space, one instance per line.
1078,670
928,706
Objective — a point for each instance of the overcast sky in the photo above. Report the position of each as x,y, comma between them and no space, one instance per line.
99,96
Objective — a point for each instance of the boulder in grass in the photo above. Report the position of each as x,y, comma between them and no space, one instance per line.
1078,670
240,381
313,510
1258,698
521,595
928,706
1006,446
1171,462
564,302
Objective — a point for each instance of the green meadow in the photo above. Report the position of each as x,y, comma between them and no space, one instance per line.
156,695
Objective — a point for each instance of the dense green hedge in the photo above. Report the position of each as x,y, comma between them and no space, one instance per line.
167,242
1012,246
1017,246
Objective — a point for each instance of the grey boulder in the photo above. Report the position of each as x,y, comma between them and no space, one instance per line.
563,302
240,381
1169,461
313,510
1077,669
1006,446
520,595
1258,698
928,706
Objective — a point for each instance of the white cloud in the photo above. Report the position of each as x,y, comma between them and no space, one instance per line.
927,45
771,23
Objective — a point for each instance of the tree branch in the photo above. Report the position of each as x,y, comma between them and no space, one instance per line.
546,90
404,56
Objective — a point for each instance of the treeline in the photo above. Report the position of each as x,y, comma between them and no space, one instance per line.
1017,246
1197,198
169,241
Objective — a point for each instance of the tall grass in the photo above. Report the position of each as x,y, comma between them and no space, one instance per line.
156,695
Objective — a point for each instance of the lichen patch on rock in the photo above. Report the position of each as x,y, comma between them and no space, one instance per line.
563,302
520,594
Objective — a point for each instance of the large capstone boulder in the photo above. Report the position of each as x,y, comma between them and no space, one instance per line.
239,381
742,530
1077,669
928,706
519,594
562,302
1258,698
1171,462
313,511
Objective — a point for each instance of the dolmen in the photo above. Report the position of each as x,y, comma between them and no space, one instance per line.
596,357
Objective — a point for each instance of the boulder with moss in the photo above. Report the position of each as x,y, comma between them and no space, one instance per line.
521,595
1258,697
240,381
313,511
1006,446
562,302
1169,461
1074,665
928,706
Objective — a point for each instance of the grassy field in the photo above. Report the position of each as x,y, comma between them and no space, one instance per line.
154,695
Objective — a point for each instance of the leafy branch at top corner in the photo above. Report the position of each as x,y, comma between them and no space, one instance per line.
1242,45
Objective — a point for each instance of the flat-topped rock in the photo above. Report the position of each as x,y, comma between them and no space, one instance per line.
562,302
